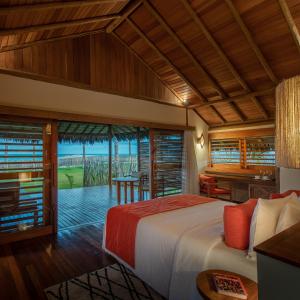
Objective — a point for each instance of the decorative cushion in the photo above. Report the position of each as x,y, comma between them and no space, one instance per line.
220,191
205,178
287,193
264,220
237,219
289,216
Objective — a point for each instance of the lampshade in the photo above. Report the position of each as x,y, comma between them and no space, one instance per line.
288,123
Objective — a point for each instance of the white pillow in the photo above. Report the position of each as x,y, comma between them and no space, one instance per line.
264,219
289,216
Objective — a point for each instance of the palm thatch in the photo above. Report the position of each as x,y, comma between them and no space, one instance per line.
88,133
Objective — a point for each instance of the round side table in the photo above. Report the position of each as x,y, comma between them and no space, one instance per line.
205,286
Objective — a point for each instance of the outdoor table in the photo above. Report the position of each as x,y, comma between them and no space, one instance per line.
125,180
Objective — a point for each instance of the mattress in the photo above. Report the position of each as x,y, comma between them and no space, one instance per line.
173,247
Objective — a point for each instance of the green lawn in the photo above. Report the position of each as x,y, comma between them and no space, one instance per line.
75,174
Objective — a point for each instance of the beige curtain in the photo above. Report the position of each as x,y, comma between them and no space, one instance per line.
288,123
190,183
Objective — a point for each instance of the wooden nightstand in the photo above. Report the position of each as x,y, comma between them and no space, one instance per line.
207,290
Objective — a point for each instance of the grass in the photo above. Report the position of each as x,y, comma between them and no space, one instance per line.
75,172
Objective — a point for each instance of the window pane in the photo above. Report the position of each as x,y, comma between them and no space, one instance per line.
225,152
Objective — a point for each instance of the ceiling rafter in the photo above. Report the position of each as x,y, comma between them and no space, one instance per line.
126,12
172,33
251,41
165,58
223,56
223,120
290,21
53,26
238,111
200,116
58,38
53,5
147,66
242,97
196,63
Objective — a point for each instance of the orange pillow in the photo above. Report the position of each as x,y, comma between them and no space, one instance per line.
206,178
283,195
237,220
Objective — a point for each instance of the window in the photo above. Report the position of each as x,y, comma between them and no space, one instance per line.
245,151
225,151
260,151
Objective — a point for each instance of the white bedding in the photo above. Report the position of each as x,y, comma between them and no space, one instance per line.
173,247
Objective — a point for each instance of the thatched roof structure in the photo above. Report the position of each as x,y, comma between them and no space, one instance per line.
89,133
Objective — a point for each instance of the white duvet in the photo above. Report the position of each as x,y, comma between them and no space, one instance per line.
173,247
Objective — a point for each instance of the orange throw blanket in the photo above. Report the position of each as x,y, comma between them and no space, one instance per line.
122,221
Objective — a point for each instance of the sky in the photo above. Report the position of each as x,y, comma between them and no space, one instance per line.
97,148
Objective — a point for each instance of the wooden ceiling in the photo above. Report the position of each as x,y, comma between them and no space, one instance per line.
221,58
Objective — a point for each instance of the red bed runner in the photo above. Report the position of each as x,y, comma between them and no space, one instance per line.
122,221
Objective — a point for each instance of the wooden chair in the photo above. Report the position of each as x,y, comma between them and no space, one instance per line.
11,205
142,184
209,186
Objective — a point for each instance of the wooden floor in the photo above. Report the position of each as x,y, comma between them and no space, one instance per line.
28,267
87,205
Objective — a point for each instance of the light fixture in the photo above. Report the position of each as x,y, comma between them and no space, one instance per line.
48,129
201,141
288,123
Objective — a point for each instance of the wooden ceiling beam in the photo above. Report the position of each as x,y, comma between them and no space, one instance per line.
236,98
196,63
252,122
260,107
215,111
173,34
58,38
237,110
127,11
251,41
290,21
200,116
165,58
223,56
53,26
148,67
52,5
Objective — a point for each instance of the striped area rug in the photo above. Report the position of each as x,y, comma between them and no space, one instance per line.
113,282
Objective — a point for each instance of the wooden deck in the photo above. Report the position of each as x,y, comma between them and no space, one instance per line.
88,205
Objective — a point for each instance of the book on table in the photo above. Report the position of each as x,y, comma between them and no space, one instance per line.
229,285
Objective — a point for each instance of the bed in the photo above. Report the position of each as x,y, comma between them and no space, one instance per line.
172,247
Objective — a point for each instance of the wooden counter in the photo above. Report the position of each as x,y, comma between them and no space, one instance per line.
245,186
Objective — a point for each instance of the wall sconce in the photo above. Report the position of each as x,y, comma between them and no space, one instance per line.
48,129
201,141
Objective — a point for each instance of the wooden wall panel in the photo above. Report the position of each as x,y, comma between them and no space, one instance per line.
242,133
99,62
